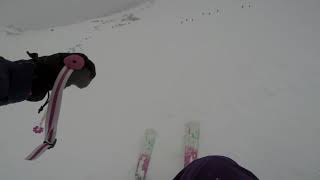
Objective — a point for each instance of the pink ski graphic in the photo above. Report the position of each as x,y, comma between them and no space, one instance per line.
192,134
145,155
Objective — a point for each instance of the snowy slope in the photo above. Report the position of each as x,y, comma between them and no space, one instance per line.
250,75
42,14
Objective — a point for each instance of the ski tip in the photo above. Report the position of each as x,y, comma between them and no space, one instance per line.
150,131
193,124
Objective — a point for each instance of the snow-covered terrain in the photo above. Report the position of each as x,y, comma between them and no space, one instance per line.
41,14
248,71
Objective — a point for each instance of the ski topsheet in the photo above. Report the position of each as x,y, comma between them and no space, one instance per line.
192,133
145,155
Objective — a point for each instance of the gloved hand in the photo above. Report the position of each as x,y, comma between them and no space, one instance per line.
47,69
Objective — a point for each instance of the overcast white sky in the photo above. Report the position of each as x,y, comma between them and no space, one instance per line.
250,76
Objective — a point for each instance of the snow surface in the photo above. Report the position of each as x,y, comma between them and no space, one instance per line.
41,14
247,70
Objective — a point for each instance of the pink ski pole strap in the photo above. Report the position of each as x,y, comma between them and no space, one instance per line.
71,62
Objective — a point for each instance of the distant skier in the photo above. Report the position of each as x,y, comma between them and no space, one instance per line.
32,79
215,168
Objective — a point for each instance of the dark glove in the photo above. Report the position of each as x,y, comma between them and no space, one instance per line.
47,69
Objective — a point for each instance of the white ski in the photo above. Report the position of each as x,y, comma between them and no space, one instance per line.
145,155
192,134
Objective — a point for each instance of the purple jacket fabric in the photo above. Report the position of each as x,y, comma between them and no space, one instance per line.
215,168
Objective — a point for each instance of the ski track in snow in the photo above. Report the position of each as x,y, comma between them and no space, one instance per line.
102,23
129,18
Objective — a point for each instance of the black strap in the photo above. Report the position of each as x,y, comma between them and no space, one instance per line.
51,145
44,105
33,56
